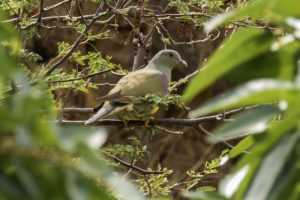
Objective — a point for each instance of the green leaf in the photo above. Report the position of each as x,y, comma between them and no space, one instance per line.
90,164
247,123
230,184
242,146
256,91
204,195
206,189
273,10
264,143
243,46
270,168
73,137
272,64
287,184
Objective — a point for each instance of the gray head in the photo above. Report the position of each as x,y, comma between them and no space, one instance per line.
168,58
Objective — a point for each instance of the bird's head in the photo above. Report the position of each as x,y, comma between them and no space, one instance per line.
168,58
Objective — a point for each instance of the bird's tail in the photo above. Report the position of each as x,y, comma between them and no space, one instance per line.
102,112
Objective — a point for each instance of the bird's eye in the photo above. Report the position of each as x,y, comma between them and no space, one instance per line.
171,55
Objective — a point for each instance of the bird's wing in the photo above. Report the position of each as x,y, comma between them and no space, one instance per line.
141,82
134,84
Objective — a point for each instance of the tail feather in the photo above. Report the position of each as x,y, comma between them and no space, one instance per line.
101,113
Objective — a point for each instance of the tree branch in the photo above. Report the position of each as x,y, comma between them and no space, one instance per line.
131,166
59,62
55,5
38,21
79,78
163,121
180,82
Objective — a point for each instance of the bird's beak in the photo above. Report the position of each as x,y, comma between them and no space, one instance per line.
182,63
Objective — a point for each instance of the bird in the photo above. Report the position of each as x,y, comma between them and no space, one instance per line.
124,100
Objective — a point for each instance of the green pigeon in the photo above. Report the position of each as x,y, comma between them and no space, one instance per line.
124,100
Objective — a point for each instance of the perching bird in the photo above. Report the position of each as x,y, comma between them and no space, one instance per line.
124,99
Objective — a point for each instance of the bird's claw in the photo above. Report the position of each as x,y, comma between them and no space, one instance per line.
147,121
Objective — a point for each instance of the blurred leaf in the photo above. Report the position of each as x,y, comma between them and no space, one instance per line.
206,189
230,184
73,137
247,123
272,64
90,164
273,10
243,46
9,186
270,168
264,143
204,195
9,44
287,183
256,91
242,146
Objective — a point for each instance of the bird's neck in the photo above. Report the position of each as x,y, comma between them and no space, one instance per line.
163,69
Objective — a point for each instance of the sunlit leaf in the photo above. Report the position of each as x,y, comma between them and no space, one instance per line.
250,122
256,91
204,195
241,147
270,168
273,10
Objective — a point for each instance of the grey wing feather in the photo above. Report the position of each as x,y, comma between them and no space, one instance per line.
106,109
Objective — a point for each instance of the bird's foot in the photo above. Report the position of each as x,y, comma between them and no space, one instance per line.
125,123
146,123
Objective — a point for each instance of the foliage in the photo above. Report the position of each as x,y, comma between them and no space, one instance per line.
42,160
135,151
164,101
209,168
272,58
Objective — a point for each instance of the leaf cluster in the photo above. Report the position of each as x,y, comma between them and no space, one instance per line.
164,101
265,64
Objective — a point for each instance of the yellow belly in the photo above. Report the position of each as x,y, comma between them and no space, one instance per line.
137,112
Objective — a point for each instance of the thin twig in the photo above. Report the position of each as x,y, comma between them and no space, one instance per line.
129,165
201,130
72,7
185,78
177,15
78,110
168,131
81,13
16,14
79,78
39,19
55,5
59,62
148,184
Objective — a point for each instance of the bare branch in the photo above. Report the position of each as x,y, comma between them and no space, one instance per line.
149,186
168,131
81,13
38,21
78,110
56,5
72,7
185,78
177,15
163,121
201,130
